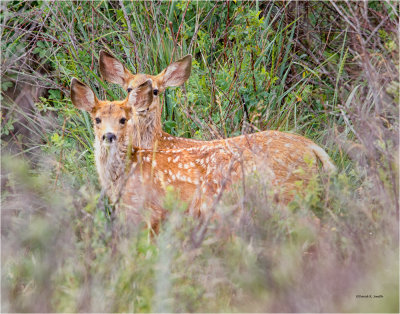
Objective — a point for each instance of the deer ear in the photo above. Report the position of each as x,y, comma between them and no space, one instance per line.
82,96
112,70
176,73
142,96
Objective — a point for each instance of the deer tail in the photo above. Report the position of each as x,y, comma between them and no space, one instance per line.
321,154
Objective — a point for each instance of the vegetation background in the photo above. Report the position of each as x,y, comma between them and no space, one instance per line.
326,70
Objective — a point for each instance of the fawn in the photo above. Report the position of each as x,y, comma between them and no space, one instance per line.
123,175
176,74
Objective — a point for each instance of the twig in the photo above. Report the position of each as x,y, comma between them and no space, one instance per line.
133,39
60,157
198,27
179,30
203,227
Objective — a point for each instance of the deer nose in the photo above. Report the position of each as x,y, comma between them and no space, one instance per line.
109,137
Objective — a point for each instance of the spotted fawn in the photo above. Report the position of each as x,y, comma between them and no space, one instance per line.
136,161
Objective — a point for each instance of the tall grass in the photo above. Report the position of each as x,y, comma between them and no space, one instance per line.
326,70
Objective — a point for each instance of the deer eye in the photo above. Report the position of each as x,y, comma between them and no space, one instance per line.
129,90
122,120
98,120
155,92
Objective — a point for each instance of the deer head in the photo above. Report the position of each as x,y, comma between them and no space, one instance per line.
113,71
113,121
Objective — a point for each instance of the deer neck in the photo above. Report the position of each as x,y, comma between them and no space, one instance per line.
110,164
146,131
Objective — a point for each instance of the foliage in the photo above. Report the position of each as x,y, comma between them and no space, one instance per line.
326,70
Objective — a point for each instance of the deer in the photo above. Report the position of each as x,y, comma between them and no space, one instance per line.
124,176
176,74
135,172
